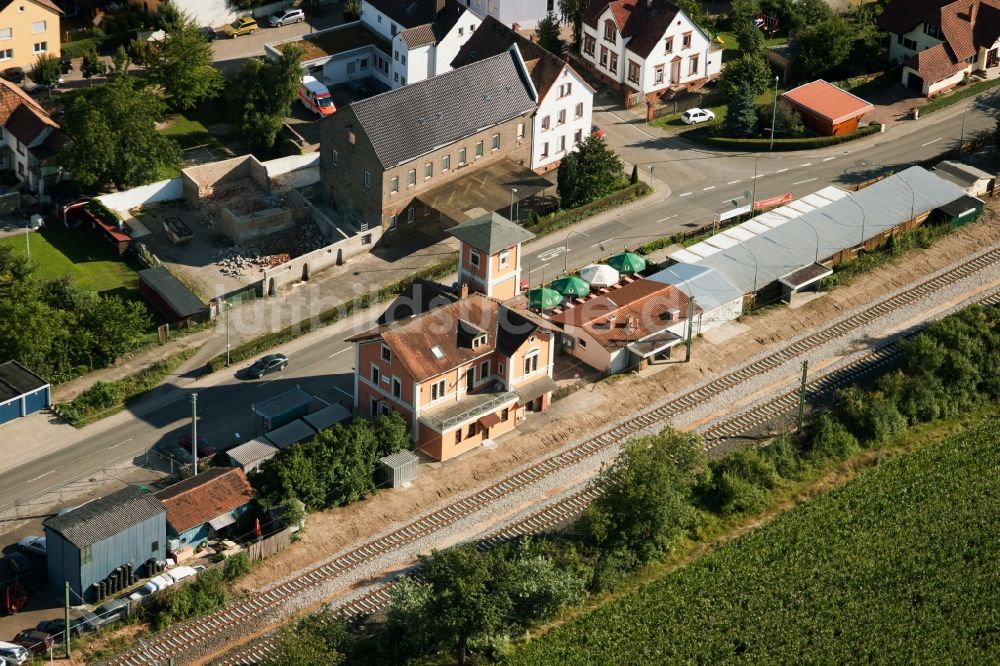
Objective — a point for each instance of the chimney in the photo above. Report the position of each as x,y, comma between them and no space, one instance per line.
463,289
973,7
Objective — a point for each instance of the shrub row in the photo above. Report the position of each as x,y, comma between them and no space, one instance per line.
702,136
943,101
107,398
561,219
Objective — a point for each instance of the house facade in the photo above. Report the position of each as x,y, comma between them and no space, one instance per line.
87,545
523,13
28,29
940,42
379,154
425,36
647,46
29,140
564,115
203,505
468,370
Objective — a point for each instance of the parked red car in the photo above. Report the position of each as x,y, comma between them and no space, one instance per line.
204,448
597,131
34,640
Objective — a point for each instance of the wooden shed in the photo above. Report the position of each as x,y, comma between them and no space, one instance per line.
827,109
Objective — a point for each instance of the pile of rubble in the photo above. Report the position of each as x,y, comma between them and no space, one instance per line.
269,251
242,197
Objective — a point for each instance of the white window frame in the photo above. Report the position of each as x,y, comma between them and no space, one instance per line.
474,258
439,390
40,47
503,259
6,33
35,30
394,184
446,163
6,54
386,354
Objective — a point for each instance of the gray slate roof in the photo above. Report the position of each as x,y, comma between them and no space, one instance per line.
106,516
416,119
16,380
180,299
491,233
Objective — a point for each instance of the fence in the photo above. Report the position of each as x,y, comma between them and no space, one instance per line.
268,546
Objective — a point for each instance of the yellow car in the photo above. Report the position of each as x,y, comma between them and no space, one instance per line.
241,26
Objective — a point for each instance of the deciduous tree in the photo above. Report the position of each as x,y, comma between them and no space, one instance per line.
820,47
261,96
749,69
113,137
93,65
572,11
599,172
182,63
547,32
47,70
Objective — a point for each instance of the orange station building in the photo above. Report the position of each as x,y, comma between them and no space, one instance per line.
467,371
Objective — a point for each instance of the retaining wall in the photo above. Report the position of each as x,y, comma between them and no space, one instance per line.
301,268
164,190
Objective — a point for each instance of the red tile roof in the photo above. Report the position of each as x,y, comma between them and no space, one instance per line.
199,499
640,309
645,22
902,16
935,64
12,96
828,101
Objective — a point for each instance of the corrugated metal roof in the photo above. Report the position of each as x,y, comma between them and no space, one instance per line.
292,433
282,404
251,452
708,288
16,380
838,225
327,418
177,296
106,516
400,459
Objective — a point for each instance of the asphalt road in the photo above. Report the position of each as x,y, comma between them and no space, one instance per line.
702,185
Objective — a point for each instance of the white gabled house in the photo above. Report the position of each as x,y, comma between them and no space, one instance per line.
564,114
647,46
425,35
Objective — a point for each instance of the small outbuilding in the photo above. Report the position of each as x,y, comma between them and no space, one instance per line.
22,392
88,544
972,179
827,109
398,469
171,297
251,455
327,417
285,408
290,433
205,504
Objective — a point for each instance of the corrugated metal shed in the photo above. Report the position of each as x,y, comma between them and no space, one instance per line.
327,418
250,455
830,229
294,432
709,288
106,516
399,468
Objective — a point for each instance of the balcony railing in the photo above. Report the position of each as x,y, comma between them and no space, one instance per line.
470,413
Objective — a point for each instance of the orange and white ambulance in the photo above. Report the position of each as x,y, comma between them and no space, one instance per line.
316,97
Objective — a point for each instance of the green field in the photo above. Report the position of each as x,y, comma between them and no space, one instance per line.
57,251
900,566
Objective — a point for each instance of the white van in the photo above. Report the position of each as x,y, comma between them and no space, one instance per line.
316,97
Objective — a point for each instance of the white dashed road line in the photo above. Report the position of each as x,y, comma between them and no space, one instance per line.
805,165
706,189
827,159
685,194
781,171
804,181
930,142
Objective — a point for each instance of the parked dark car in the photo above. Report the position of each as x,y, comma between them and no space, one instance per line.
205,449
209,33
13,74
76,626
111,611
34,640
268,364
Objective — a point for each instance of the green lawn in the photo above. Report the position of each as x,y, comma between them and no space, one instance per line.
57,251
189,134
898,566
730,47
673,121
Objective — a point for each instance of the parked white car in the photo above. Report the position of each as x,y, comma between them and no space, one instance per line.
33,544
286,17
14,653
695,116
180,573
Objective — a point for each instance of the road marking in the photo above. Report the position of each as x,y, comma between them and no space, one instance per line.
685,194
542,266
781,171
339,352
805,165
706,189
732,182
930,142
827,159
552,253
760,175
605,241
40,476
804,181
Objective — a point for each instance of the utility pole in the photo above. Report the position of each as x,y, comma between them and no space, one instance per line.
687,355
802,394
66,625
229,308
194,434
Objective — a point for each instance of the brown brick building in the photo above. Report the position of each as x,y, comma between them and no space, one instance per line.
379,154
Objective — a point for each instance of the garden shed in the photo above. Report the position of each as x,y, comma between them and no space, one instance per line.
827,109
398,470
171,297
22,392
251,455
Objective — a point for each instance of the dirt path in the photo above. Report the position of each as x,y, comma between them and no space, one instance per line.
597,405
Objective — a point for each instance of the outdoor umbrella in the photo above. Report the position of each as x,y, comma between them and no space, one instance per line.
600,275
544,298
627,262
571,285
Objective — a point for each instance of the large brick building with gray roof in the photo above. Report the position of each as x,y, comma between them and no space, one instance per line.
379,154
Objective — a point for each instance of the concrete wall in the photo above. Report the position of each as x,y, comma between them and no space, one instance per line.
213,13
201,181
239,228
301,268
164,190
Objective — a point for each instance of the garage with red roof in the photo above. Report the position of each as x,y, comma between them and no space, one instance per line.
827,109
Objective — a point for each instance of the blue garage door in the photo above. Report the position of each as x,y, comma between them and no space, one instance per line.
37,401
10,411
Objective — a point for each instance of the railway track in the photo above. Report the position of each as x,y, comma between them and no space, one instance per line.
246,611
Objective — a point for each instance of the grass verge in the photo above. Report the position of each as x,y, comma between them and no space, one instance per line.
956,96
106,398
860,573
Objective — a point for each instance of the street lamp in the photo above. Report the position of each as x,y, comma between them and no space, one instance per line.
755,267
863,216
913,197
566,248
816,233
194,434
651,167
513,191
774,112
229,307
753,193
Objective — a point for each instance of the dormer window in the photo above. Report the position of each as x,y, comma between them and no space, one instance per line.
479,341
610,31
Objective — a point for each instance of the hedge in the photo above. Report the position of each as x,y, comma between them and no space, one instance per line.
943,101
701,136
564,218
